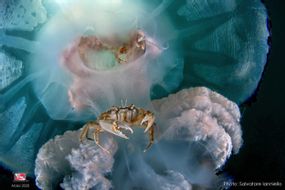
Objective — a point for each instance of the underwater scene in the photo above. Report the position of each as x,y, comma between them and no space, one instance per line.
127,94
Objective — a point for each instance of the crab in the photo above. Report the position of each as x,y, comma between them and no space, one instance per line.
117,119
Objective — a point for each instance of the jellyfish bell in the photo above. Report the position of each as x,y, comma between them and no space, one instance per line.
224,46
89,63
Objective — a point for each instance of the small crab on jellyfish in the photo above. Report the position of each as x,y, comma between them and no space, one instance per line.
118,120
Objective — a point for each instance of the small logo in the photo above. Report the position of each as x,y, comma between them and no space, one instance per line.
19,177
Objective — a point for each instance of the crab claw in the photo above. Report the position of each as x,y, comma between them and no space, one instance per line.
145,119
149,118
107,126
126,127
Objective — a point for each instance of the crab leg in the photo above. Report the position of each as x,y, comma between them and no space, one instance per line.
151,137
96,138
85,130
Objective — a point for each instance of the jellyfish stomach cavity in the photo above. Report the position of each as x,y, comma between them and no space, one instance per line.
94,54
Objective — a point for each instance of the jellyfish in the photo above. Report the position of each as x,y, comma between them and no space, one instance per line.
201,131
64,62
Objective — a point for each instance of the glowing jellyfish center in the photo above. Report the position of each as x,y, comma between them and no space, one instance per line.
93,55
97,54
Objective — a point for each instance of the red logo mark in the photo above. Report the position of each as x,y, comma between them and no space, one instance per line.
19,177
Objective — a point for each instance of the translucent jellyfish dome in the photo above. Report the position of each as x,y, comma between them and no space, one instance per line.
90,63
